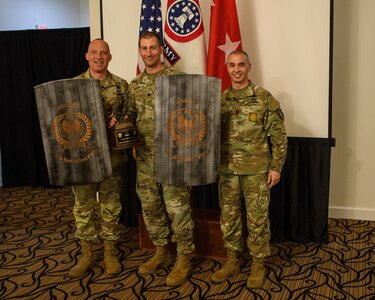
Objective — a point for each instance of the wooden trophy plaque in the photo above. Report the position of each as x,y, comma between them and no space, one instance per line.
124,135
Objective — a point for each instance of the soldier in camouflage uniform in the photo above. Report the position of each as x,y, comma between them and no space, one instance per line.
112,87
254,146
159,201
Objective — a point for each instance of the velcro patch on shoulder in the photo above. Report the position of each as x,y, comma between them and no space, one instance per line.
280,113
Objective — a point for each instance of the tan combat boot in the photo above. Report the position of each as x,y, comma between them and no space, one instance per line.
231,267
161,257
86,261
111,263
257,274
181,270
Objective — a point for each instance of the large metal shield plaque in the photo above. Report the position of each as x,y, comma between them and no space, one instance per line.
187,129
73,130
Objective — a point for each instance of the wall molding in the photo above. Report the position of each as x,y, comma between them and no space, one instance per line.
356,213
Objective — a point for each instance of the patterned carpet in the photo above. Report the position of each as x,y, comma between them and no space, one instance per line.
37,249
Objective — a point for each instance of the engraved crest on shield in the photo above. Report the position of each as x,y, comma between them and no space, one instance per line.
187,126
73,130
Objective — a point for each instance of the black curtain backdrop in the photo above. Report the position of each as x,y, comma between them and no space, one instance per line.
299,203
29,58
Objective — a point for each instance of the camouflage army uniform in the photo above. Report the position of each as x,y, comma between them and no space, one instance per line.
109,189
250,117
157,200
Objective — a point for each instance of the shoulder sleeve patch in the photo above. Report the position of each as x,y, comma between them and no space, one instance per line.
280,113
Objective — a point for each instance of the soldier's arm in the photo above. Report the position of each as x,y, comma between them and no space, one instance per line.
276,131
273,178
130,110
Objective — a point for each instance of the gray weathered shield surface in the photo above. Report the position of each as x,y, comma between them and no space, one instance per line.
73,130
187,129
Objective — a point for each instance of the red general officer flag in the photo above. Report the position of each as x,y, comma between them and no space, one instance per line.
225,37
184,43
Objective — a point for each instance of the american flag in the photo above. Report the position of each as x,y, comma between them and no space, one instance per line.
151,21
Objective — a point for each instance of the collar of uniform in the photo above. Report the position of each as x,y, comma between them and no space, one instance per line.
249,92
87,74
107,81
103,82
143,77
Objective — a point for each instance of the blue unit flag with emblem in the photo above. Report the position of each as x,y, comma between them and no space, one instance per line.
184,43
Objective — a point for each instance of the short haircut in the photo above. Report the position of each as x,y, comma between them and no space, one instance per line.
149,35
240,52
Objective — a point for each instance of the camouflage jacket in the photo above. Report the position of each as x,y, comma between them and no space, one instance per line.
111,88
141,107
253,136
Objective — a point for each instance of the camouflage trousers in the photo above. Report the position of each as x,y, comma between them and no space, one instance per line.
160,201
109,206
256,194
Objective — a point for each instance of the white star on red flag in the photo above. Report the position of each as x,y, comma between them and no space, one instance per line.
228,47
225,37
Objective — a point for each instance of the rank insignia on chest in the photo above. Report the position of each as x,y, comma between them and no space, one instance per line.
253,117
